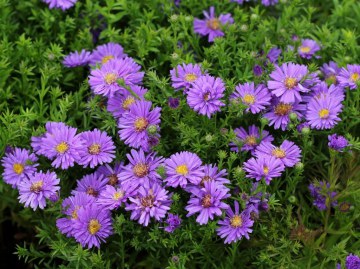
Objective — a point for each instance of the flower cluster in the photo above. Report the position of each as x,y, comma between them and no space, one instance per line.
321,193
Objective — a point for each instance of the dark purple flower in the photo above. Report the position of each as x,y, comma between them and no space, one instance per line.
255,98
184,75
92,226
18,165
152,201
337,142
173,222
352,262
257,70
173,102
77,59
236,225
320,193
207,202
104,53
205,94
308,48
133,124
273,54
349,76
249,140
34,191
211,25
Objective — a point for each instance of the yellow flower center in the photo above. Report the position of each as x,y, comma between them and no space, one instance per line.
278,153
305,49
94,226
94,149
107,58
236,221
266,170
355,77
191,77
141,169
36,186
206,201
182,169
213,24
282,109
118,195
18,168
250,140
290,83
140,124
127,102
249,99
62,147
113,180
110,78
324,113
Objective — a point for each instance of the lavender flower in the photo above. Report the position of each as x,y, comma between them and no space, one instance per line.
111,173
104,53
288,82
308,48
269,2
92,226
273,54
235,226
173,222
63,4
98,148
18,165
111,198
205,94
37,188
264,167
349,76
133,124
288,153
337,142
249,140
256,99
182,168
77,58
91,184
184,75
36,141
207,202
151,202
211,25
330,71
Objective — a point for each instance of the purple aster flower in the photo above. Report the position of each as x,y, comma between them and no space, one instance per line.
77,59
249,140
62,146
308,48
330,71
18,165
337,142
104,53
288,153
92,226
36,141
256,99
322,89
91,184
141,169
279,113
273,54
111,173
207,202
257,202
352,262
205,94
104,81
182,168
133,125
212,25
152,201
70,207
98,148
269,2
184,75
236,225
173,102
349,76
264,167
121,102
257,70
323,112
111,198
63,4
288,82
37,188
320,193
173,222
